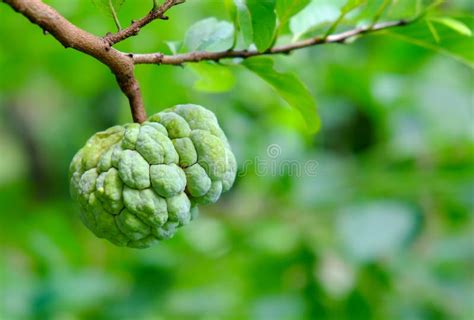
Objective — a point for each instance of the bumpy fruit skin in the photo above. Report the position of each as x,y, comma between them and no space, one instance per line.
138,183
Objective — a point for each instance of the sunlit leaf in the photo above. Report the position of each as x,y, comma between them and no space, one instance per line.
348,7
289,87
447,41
231,10
315,14
209,35
174,46
381,10
288,8
403,9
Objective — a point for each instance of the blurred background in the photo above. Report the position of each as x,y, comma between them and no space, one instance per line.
383,230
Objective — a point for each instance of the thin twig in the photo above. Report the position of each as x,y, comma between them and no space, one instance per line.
334,25
380,12
159,58
114,15
134,28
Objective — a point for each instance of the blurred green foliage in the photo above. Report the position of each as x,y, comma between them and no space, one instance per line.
384,230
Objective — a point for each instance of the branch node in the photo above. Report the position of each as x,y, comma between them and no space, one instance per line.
157,12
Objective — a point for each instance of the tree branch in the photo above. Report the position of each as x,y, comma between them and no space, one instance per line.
70,36
122,64
178,59
134,28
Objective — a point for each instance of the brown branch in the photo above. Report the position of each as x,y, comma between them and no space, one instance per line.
122,64
178,59
70,36
156,13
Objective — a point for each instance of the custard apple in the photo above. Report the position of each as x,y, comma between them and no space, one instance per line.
138,183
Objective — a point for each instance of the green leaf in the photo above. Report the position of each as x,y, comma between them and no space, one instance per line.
289,87
445,41
209,35
213,77
244,21
348,7
351,5
288,8
264,18
232,11
453,24
316,13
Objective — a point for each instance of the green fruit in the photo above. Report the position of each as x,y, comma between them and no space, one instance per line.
137,184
